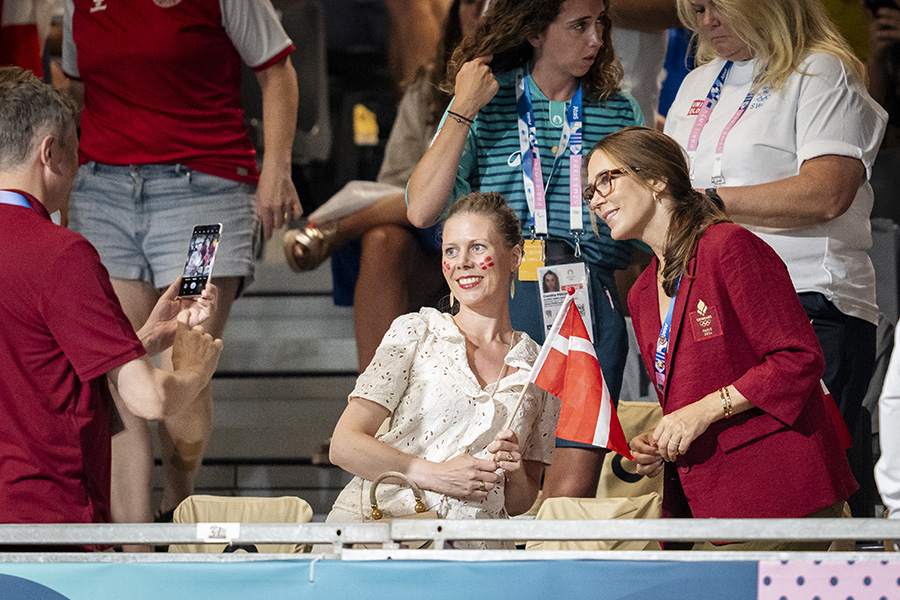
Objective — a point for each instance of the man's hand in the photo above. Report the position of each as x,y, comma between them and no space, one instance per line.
194,349
158,333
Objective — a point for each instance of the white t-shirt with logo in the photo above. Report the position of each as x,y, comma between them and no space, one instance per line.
822,109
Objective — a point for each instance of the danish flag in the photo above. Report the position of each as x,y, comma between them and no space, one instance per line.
567,367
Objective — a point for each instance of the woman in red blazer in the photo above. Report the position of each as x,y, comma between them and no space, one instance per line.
747,430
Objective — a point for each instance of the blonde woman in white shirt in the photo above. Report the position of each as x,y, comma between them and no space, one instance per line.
448,384
778,124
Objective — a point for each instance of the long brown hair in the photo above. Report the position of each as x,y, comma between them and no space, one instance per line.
651,156
504,31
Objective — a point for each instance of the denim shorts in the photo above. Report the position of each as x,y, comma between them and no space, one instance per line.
140,217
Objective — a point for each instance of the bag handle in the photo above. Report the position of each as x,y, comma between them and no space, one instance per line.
417,493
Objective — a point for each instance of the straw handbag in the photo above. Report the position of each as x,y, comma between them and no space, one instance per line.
377,515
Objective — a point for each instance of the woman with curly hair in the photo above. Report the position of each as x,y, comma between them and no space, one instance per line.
536,81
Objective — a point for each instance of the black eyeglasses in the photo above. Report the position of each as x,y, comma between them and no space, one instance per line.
603,184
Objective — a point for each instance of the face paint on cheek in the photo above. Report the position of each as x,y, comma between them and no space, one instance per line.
487,262
446,265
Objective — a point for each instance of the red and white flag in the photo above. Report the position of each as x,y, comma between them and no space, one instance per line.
567,367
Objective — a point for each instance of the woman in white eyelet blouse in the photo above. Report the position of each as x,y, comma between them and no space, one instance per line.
448,384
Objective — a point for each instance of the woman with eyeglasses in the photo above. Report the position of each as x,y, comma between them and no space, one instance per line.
536,82
747,431
778,123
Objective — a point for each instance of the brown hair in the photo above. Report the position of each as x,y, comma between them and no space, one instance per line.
651,157
492,205
504,31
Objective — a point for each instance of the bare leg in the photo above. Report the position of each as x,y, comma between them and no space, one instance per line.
415,29
381,289
185,435
131,457
389,210
573,474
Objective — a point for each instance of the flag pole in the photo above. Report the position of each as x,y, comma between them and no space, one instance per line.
560,315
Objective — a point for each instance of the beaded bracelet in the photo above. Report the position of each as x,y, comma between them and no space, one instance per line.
460,118
726,401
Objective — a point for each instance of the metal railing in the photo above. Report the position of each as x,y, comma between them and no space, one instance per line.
392,535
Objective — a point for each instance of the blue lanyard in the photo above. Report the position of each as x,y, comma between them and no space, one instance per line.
13,199
535,189
662,343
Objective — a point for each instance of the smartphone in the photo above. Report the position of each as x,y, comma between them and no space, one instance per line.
201,256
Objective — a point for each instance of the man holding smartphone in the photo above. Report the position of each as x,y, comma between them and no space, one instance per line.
63,335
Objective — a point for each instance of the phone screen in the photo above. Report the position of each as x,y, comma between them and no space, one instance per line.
201,256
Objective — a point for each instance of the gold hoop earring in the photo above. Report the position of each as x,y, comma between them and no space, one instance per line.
512,288
452,300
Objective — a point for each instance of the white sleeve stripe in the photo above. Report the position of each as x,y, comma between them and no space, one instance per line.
69,51
254,29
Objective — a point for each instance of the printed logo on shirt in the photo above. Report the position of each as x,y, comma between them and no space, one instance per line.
705,322
166,3
759,98
696,105
99,5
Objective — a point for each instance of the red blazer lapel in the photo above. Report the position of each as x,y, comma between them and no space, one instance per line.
678,316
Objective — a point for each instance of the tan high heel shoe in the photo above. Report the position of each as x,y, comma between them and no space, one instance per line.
308,247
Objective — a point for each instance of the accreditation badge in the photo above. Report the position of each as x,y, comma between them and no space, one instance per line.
532,260
555,283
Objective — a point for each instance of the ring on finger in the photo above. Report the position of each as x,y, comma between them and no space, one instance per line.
673,442
481,485
509,457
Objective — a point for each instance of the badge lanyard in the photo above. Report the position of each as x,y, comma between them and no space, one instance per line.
13,199
532,175
662,343
712,99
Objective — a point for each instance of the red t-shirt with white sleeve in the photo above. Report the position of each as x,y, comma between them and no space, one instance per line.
162,79
61,331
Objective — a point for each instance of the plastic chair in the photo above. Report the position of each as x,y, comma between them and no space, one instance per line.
226,509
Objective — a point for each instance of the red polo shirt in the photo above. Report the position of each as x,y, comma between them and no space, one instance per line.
61,331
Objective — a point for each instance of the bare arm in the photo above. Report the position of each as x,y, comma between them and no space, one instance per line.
158,332
355,449
644,15
823,190
152,393
432,181
276,196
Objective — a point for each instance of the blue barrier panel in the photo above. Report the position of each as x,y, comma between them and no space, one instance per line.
387,580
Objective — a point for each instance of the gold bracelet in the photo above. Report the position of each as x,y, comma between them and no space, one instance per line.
726,401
